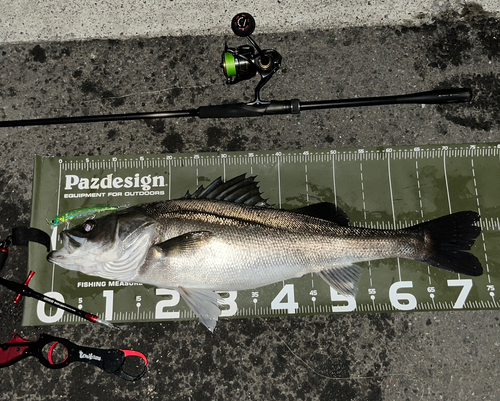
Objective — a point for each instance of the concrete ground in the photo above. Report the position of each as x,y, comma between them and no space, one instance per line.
59,20
403,356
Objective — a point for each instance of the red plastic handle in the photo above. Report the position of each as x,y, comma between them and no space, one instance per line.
51,351
128,352
14,350
18,298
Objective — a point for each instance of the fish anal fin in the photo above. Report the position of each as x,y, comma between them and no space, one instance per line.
343,279
184,243
325,211
204,304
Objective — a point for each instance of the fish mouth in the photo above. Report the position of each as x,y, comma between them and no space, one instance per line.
61,258
67,256
53,256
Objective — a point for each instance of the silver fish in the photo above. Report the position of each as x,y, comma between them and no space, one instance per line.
226,238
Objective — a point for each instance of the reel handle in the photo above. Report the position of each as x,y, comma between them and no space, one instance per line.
243,24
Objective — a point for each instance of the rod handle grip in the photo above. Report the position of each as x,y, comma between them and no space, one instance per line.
250,110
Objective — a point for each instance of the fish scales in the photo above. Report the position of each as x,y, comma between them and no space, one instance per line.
260,246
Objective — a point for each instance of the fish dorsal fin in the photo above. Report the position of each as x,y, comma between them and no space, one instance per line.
343,279
240,190
326,211
204,304
187,242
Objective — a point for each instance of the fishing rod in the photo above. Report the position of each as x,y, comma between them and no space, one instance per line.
243,63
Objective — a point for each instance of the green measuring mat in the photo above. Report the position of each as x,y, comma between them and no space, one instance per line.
377,187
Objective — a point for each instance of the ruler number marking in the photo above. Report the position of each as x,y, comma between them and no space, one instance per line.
396,297
40,308
336,297
109,295
466,285
229,301
167,303
288,292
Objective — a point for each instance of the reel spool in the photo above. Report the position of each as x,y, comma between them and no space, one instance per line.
244,62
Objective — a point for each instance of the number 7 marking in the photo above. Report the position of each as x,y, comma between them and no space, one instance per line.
466,285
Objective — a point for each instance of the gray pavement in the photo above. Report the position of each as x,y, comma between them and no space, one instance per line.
30,21
401,356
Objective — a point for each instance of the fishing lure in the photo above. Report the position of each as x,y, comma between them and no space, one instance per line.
81,213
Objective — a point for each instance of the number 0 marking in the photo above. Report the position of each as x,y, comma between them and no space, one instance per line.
466,285
40,308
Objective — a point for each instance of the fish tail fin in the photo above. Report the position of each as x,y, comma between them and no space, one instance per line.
447,239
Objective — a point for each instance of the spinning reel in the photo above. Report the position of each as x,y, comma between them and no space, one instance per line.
244,62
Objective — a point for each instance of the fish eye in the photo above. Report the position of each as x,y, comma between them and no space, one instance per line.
89,225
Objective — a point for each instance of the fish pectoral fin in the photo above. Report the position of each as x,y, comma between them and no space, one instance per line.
184,243
343,279
204,303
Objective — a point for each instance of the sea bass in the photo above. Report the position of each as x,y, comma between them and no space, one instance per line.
226,238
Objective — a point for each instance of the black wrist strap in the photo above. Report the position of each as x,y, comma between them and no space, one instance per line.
23,235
